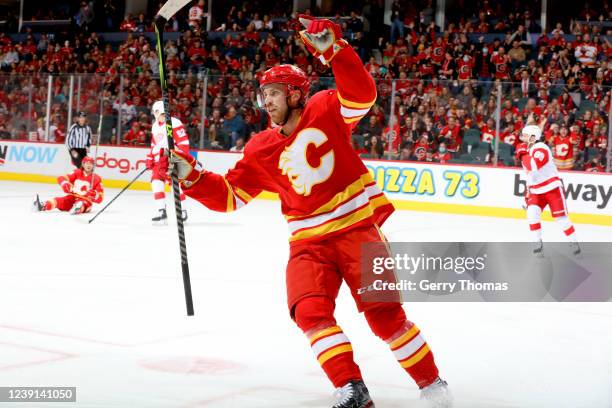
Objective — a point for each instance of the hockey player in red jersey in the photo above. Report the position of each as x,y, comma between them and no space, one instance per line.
157,159
82,188
544,187
332,206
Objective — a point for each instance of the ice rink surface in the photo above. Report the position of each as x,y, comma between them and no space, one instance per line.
101,307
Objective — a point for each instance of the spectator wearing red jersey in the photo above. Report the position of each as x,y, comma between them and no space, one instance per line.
135,136
451,134
465,66
128,25
563,150
442,155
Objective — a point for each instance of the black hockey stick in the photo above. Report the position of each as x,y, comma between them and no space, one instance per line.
169,9
115,197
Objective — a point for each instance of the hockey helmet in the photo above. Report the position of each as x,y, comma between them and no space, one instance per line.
87,159
531,134
157,109
287,74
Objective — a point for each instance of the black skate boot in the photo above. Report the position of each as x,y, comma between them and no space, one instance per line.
538,249
161,218
353,395
437,394
37,205
576,249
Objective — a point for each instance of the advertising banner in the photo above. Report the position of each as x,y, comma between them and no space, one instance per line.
477,190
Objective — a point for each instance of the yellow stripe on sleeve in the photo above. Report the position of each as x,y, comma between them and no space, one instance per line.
355,105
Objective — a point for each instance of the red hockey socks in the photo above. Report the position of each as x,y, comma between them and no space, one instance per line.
333,350
413,353
388,321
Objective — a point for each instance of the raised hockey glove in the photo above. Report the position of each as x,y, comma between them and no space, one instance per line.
322,37
188,169
67,187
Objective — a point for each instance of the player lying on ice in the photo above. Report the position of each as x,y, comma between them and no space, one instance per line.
332,206
80,191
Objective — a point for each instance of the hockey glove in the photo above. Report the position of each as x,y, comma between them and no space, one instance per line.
188,169
150,161
92,194
67,187
521,150
322,37
163,161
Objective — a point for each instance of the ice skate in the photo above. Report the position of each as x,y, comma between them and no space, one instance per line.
37,205
161,218
538,249
437,394
576,250
353,395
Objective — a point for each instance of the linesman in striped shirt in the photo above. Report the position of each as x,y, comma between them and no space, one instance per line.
79,139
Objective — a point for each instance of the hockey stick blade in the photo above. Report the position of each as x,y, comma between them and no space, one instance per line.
171,8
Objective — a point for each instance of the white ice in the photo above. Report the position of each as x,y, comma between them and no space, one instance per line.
101,307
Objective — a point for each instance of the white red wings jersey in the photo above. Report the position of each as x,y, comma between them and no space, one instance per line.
82,183
322,183
159,138
542,174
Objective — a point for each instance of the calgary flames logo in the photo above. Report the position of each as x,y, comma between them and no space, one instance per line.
294,164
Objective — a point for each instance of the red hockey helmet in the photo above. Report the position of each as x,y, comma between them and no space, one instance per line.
87,159
287,74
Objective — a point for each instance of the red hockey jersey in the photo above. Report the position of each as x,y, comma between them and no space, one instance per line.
82,183
323,185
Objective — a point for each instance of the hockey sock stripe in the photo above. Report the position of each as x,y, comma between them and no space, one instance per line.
409,348
535,227
416,357
324,333
404,338
326,343
569,231
159,196
340,349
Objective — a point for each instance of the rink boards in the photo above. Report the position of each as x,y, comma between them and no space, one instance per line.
455,189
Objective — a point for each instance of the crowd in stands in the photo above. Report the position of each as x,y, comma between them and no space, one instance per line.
446,81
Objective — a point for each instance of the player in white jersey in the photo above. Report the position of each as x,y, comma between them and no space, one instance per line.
544,187
157,159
